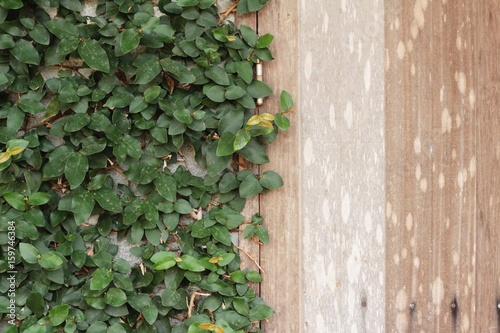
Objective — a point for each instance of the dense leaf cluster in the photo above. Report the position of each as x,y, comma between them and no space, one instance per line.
96,109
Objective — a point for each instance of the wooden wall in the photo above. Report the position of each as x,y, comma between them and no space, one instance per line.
389,220
442,172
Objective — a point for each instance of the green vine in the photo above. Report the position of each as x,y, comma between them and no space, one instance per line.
100,114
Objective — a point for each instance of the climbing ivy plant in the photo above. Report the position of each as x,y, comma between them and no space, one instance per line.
99,109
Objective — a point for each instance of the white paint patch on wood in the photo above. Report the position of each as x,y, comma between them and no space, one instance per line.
341,101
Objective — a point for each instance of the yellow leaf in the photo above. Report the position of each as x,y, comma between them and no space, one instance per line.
231,38
214,260
178,259
15,151
266,123
267,116
254,120
207,326
4,157
219,329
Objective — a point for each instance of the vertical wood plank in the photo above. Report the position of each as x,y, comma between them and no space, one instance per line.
282,258
488,160
339,165
431,190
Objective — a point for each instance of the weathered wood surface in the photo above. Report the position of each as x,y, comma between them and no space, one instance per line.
282,258
325,264
442,174
487,54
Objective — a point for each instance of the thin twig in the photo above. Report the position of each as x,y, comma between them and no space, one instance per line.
227,12
251,258
191,301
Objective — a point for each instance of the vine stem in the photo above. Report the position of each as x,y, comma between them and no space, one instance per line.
227,12
251,258
191,301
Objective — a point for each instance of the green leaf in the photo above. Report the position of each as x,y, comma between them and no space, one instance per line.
183,206
227,258
238,277
225,146
250,186
119,101
40,35
91,145
262,234
39,198
259,89
254,152
216,94
218,75
16,200
94,55
241,139
166,186
150,313
108,199
286,101
72,5
97,327
249,35
264,41
183,115
260,312
164,264
76,122
232,121
26,53
31,106
51,260
271,180
129,40
115,297
132,145
11,4
176,128
58,314
62,28
76,169
152,93
35,217
6,42
234,319
228,182
82,206
116,328
178,70
35,303
281,121
187,3
36,328
254,276
234,92
245,71
29,253
148,68
191,264
101,278
68,45
221,234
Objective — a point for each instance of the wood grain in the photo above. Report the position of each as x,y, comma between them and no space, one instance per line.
488,159
441,162
282,258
